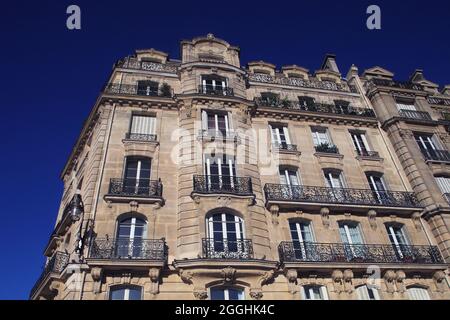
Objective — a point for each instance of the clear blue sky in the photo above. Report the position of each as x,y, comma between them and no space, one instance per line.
52,76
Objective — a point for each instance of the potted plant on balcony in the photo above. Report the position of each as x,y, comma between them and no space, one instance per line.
166,90
326,147
285,103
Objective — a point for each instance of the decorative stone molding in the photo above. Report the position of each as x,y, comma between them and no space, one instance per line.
229,275
266,277
224,201
338,279
291,276
405,134
56,287
400,277
186,276
200,294
275,211
196,199
134,205
389,280
416,216
154,277
372,216
256,294
440,282
348,281
96,274
325,215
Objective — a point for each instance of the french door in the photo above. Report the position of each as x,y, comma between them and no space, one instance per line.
378,188
216,123
352,239
302,239
335,181
137,175
360,143
427,145
321,136
130,237
280,136
147,88
399,241
220,173
214,85
290,179
226,234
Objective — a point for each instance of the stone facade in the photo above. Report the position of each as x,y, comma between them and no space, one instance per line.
262,183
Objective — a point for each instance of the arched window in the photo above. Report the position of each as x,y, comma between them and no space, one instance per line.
125,293
302,239
399,240
417,293
367,293
227,293
137,175
314,292
131,232
351,237
225,236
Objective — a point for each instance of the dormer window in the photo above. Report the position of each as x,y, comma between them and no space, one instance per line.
151,60
295,76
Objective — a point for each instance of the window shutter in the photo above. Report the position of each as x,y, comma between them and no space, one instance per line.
443,183
406,106
204,120
324,293
230,121
286,135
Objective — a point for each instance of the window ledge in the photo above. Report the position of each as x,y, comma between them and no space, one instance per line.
329,155
369,158
112,198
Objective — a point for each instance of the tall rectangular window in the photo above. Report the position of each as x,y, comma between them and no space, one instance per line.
444,184
402,105
216,123
320,136
147,88
334,179
280,135
143,127
360,143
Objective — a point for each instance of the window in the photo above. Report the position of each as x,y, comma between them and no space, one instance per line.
220,172
334,179
367,293
147,88
320,136
404,105
131,232
125,293
428,144
307,103
280,135
360,143
314,292
219,293
351,237
302,238
443,183
226,233
418,293
216,123
290,178
214,84
342,106
378,186
142,126
270,97
399,241
137,175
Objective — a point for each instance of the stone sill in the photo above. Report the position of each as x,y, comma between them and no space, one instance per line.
129,198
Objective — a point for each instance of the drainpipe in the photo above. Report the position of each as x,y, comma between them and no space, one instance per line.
97,195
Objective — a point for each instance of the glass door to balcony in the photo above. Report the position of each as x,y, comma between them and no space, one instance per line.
290,183
214,85
147,88
280,136
360,143
352,239
137,176
428,146
378,188
130,238
221,173
335,181
302,239
399,241
216,124
226,235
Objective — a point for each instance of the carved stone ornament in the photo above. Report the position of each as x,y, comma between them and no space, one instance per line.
134,205
416,216
200,294
186,276
338,279
325,215
389,280
439,280
256,294
96,274
154,278
266,277
275,211
405,133
400,277
372,216
348,281
292,276
229,274
224,201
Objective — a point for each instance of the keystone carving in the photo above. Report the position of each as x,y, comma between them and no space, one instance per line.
338,279
96,274
154,278
292,276
134,205
348,281
229,274
372,216
325,214
389,280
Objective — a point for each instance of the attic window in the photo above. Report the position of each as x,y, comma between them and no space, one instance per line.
328,79
210,57
262,71
148,59
296,75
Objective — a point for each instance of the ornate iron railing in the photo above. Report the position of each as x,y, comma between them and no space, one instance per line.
358,253
223,184
316,107
396,84
327,148
134,249
135,188
298,82
133,63
312,194
140,137
218,135
131,89
438,101
215,91
436,155
55,265
227,249
418,115
370,154
284,146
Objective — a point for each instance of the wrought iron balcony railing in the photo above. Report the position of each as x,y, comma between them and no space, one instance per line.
132,249
358,253
315,107
298,82
327,148
417,115
396,84
131,89
223,184
311,194
133,63
438,101
215,91
436,155
218,135
55,265
369,154
227,249
140,137
135,188
284,146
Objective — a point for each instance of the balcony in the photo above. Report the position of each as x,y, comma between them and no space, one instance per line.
315,107
54,267
291,252
438,101
143,190
415,115
396,84
436,155
214,184
322,195
227,249
141,137
128,249
284,147
133,63
326,148
217,135
368,154
215,91
135,90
